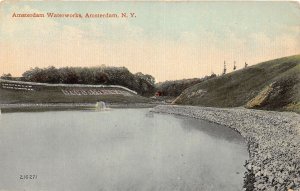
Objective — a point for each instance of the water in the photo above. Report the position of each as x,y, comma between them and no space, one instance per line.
121,149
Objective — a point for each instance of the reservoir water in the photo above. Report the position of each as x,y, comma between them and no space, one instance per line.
119,149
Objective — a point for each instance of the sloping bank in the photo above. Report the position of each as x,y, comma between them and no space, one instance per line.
273,140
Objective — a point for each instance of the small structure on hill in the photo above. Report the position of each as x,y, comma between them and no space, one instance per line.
158,94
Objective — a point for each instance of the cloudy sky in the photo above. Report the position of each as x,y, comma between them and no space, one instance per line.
169,40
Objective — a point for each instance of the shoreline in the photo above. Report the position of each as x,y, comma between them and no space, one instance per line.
28,107
273,140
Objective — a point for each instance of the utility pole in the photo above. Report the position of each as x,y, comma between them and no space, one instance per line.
234,66
224,70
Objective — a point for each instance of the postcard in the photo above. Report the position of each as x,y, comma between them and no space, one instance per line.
149,95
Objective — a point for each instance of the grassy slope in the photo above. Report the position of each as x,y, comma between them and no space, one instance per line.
239,87
55,95
176,87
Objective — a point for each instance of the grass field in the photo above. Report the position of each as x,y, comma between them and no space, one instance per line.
271,85
54,94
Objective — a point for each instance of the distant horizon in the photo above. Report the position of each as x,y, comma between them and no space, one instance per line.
148,73
168,40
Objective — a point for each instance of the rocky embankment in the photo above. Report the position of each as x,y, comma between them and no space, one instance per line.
273,140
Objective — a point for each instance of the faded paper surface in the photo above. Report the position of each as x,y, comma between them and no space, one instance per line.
99,60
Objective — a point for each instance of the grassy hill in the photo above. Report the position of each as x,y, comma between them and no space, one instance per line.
24,92
176,87
271,85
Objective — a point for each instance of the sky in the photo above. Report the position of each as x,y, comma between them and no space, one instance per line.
169,40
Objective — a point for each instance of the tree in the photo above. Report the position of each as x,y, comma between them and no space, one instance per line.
34,75
101,78
52,75
6,76
68,75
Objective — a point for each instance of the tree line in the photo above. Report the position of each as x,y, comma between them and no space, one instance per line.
144,84
176,87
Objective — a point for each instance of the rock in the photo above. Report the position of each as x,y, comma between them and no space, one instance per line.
270,189
260,186
249,167
280,180
290,185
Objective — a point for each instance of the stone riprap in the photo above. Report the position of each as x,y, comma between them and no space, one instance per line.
273,140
